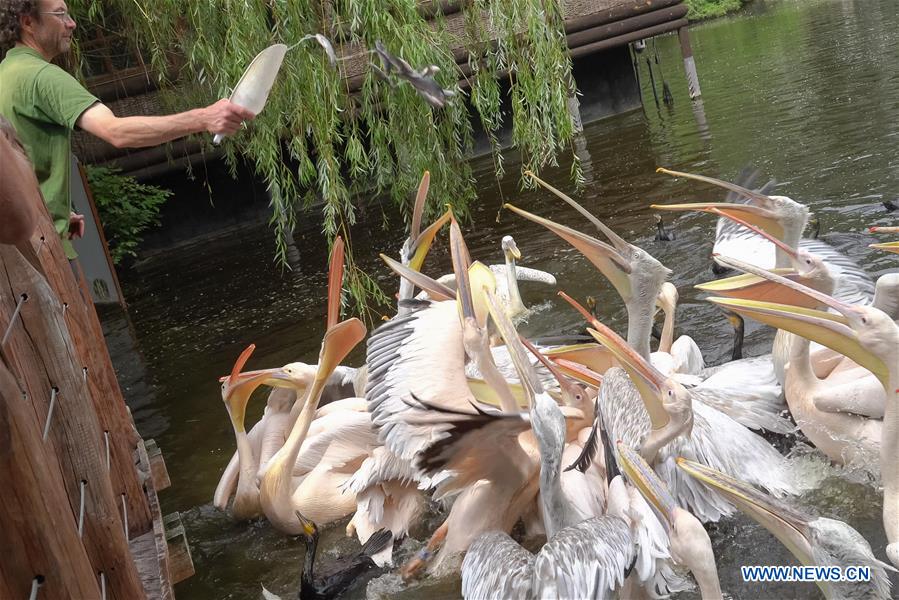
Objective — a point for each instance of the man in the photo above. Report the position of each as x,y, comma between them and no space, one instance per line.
44,104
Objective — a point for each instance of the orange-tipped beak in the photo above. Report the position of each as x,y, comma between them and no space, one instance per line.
612,263
647,379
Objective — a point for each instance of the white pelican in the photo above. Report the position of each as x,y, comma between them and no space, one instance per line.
507,277
582,558
812,540
865,334
236,391
689,544
785,219
638,278
660,417
279,498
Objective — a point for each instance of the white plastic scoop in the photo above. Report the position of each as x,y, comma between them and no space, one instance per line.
251,92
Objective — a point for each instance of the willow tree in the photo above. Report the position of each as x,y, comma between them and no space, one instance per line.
318,141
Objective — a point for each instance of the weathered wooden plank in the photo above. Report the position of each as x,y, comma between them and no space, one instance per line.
158,470
159,560
181,563
42,339
37,532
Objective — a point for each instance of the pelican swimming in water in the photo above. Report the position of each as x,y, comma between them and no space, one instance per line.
507,277
865,334
660,417
814,541
319,499
785,219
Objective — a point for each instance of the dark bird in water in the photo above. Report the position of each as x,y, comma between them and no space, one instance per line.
663,234
737,322
814,223
343,572
422,80
890,205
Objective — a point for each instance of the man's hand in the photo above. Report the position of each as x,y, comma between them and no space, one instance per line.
76,226
225,117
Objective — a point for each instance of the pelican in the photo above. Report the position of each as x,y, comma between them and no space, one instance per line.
660,417
818,541
280,500
785,219
582,558
689,544
236,391
507,277
638,277
865,334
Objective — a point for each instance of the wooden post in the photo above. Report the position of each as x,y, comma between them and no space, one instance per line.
40,352
46,255
683,34
37,532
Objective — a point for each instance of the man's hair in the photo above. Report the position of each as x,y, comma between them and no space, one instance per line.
10,11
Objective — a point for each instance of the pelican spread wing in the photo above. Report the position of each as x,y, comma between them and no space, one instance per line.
587,560
404,356
716,440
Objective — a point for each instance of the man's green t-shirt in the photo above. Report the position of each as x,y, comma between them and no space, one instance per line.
43,102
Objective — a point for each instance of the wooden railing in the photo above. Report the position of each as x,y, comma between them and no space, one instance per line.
79,516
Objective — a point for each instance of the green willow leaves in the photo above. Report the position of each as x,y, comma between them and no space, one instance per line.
320,143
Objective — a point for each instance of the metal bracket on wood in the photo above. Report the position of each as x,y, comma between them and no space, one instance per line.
23,298
54,392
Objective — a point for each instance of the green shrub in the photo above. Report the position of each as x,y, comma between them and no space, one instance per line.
706,9
127,208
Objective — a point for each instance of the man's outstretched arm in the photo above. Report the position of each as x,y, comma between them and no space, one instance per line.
136,132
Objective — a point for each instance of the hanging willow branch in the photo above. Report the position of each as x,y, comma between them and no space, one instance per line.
317,143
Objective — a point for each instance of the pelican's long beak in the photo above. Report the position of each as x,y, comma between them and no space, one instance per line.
883,229
618,242
238,387
593,356
335,281
887,246
752,287
470,279
647,379
831,330
487,395
823,327
610,261
423,242
435,289
338,342
756,215
526,372
644,478
579,372
788,525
